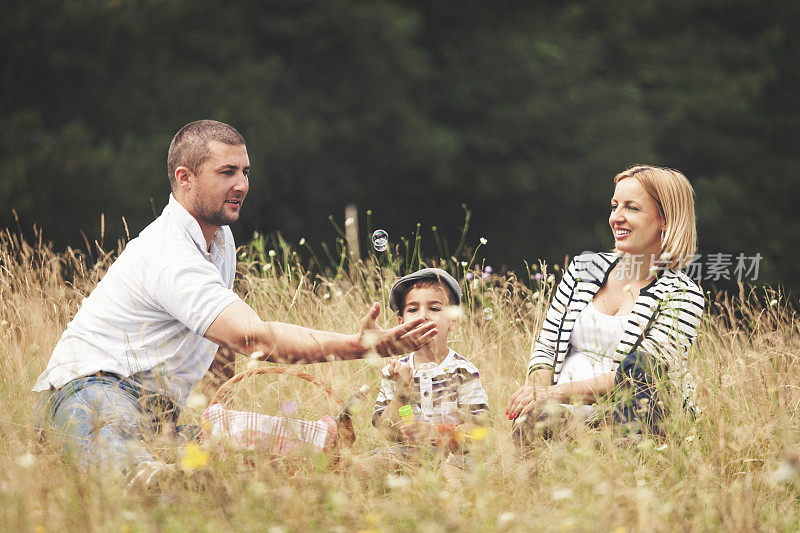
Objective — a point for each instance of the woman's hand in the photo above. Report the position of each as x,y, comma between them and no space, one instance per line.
525,399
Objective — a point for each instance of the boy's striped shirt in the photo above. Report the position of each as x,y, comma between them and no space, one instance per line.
450,393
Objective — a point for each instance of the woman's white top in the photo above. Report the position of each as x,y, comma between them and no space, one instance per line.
594,339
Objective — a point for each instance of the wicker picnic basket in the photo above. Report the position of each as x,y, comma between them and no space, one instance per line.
274,434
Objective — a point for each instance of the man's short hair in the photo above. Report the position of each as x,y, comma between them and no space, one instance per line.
189,147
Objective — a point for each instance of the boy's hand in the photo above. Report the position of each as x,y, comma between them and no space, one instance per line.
406,337
403,376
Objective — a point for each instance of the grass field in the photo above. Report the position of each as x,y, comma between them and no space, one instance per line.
734,468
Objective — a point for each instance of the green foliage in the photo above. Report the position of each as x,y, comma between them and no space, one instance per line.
523,111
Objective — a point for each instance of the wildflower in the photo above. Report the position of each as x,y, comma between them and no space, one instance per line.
727,381
370,339
628,288
485,275
469,276
538,276
785,472
266,267
193,458
483,241
551,278
464,263
773,303
197,400
506,518
26,460
562,494
302,241
272,253
689,438
396,482
479,433
488,269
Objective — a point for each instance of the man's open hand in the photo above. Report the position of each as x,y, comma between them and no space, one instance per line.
406,337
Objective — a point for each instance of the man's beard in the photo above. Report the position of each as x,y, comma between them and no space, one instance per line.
215,218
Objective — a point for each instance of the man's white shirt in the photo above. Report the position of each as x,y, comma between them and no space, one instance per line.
148,314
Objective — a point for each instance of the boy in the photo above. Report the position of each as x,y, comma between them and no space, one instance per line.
442,387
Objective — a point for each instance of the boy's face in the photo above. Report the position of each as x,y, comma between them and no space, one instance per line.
431,303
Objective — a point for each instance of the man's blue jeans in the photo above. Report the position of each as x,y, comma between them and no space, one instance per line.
105,419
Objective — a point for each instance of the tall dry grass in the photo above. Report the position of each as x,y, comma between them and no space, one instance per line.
733,468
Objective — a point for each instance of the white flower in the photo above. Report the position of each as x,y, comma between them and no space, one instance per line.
562,494
784,473
483,241
302,241
26,460
197,400
272,253
773,303
506,518
396,482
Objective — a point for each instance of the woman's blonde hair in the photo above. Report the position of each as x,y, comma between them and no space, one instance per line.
674,197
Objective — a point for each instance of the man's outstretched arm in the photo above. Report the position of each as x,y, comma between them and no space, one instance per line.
239,328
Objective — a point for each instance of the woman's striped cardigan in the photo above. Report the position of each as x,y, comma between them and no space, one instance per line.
663,322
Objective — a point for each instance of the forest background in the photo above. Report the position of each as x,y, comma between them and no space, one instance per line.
523,111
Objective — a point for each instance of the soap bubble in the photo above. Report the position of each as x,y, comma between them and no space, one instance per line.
488,313
380,240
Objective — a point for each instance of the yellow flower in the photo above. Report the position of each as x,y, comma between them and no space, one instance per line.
194,458
479,433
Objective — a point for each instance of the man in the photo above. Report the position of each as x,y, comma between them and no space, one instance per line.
148,332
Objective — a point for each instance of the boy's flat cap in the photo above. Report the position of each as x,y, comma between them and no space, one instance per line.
400,286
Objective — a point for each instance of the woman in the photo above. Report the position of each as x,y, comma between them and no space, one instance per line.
625,318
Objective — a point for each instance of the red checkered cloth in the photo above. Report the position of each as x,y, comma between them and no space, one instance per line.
276,434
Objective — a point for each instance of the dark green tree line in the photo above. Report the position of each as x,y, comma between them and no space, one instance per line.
523,111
